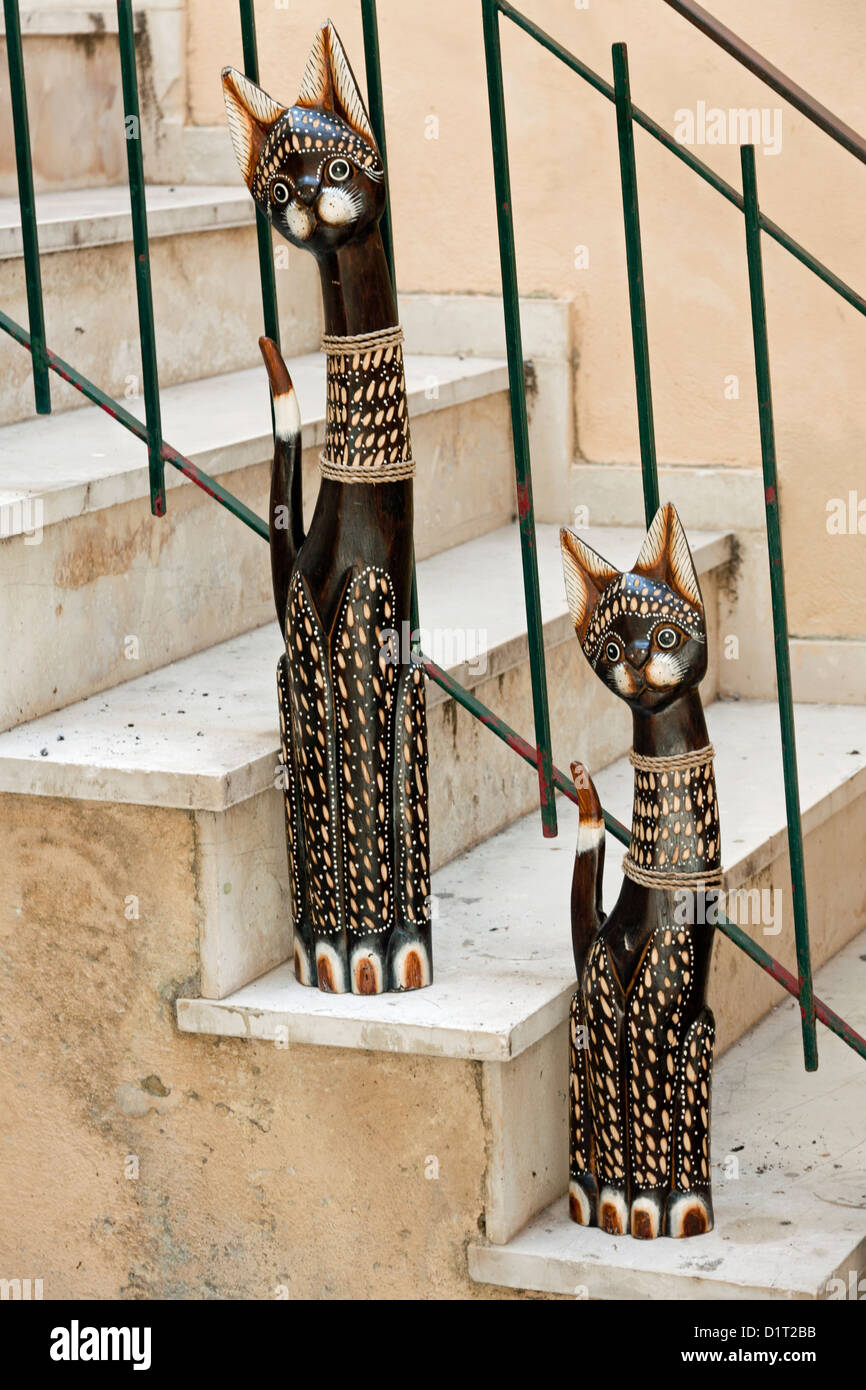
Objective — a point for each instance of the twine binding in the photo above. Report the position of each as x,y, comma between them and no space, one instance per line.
351,473
671,878
675,762
665,878
334,345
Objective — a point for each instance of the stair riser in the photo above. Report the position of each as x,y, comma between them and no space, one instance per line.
198,575
264,1139
112,594
207,308
80,142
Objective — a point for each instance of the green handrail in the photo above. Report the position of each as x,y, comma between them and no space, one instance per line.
267,272
540,757
27,202
858,301
131,422
814,110
626,114
141,248
376,104
519,421
636,296
779,605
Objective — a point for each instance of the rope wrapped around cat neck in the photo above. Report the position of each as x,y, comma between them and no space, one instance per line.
673,762
669,878
333,345
357,345
672,877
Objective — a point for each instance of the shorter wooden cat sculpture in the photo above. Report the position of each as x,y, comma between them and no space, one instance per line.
641,1041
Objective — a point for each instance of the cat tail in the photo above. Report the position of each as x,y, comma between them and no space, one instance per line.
286,515
587,913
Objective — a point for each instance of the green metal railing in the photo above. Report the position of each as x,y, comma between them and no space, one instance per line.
141,248
519,423
27,202
627,116
551,778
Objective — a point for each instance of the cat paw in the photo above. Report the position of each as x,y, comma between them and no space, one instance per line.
409,963
613,1210
330,969
688,1214
583,1199
646,1216
367,970
305,965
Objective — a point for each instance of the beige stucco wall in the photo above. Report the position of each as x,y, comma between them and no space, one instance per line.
140,1162
145,1163
565,184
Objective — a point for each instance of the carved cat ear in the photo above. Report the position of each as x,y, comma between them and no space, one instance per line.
665,555
251,114
329,84
587,576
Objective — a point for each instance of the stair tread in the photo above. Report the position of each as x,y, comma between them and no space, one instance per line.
793,1218
80,461
70,219
503,965
160,740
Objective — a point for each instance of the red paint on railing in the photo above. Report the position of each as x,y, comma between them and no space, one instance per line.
524,501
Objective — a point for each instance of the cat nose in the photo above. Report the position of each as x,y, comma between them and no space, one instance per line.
307,191
637,652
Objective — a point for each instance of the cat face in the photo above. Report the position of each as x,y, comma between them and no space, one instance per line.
643,632
313,168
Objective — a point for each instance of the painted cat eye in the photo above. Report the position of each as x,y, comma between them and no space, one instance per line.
667,638
280,192
613,651
339,170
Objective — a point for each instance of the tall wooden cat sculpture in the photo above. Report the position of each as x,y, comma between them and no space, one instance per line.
641,1033
351,704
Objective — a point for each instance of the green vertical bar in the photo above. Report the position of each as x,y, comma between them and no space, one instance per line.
780,611
263,229
147,332
377,117
519,428
636,297
375,102
27,203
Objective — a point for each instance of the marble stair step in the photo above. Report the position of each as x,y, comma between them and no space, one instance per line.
88,577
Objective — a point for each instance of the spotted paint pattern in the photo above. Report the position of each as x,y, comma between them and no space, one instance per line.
367,423
313,731
604,1022
642,597
675,821
322,137
290,788
364,690
692,1151
410,774
580,1115
654,1137
664,986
